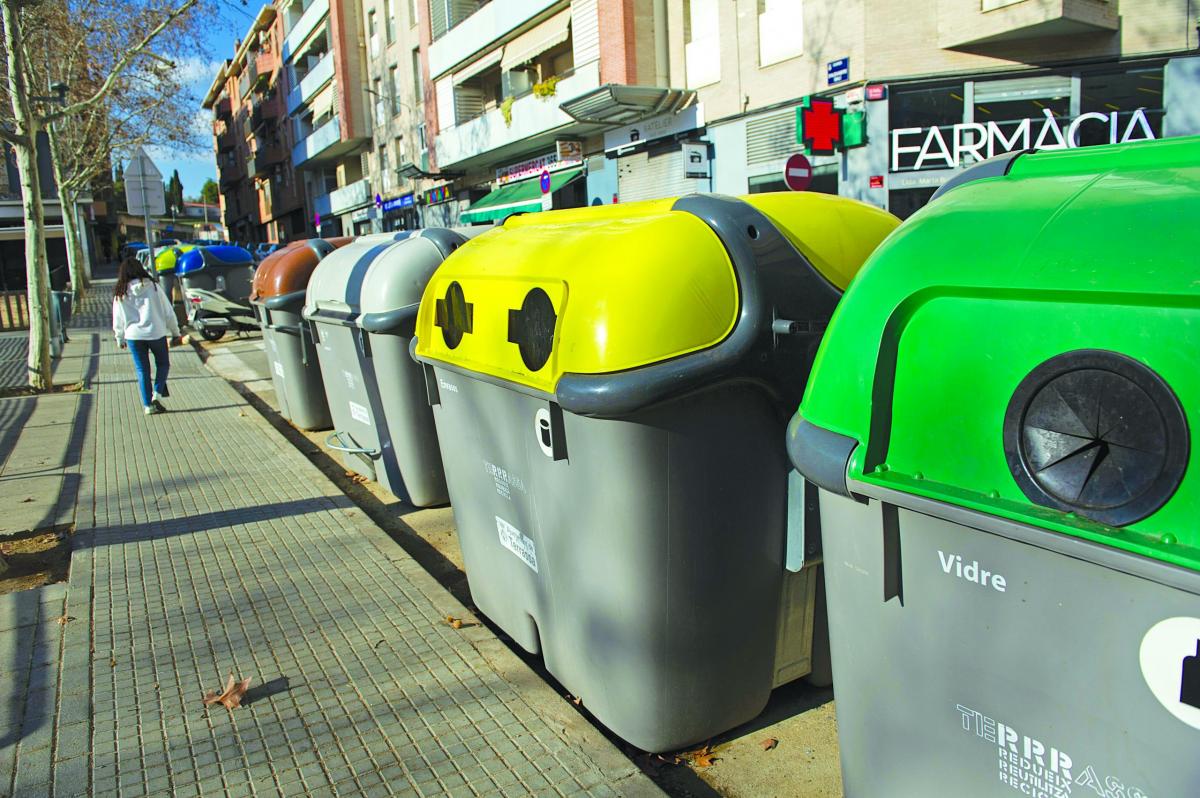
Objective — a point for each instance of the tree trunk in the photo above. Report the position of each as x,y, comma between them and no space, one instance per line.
67,197
31,202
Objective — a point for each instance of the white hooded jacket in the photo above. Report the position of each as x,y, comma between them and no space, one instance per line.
144,313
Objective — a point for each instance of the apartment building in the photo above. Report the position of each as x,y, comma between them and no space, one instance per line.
324,61
260,197
920,91
519,95
399,158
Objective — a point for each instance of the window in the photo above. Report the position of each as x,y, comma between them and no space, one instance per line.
412,13
396,90
391,21
702,44
418,80
780,30
384,169
380,104
373,33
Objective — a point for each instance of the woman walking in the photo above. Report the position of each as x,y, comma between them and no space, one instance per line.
143,318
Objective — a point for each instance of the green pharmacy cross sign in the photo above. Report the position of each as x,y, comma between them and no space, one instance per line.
824,129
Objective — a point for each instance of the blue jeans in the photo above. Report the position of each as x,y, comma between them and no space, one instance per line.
141,351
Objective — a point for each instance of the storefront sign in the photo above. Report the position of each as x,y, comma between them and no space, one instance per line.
398,203
695,160
837,71
569,150
550,162
949,145
823,129
361,215
656,127
440,194
876,92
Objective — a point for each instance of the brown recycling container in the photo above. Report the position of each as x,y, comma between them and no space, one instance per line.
278,297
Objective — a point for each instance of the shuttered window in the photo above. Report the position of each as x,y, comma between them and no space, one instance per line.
770,138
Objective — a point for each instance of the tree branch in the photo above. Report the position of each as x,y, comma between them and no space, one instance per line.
120,66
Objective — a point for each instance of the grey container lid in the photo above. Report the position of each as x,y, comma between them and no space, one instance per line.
335,290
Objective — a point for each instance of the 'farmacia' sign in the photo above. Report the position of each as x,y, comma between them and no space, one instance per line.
951,145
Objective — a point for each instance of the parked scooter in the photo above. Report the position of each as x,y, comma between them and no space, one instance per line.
216,284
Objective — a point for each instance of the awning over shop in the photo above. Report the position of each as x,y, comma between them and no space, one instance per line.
537,40
522,197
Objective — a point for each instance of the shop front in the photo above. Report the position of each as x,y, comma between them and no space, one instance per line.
937,128
400,213
664,156
537,184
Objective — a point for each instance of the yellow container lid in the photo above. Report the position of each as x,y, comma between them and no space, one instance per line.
610,289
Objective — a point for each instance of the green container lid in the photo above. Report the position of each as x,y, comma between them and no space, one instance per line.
1027,346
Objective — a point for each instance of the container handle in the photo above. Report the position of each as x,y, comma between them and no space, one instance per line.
334,441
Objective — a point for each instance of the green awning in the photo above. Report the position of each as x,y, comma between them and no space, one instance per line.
522,197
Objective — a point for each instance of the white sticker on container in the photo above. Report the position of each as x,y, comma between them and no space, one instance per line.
278,368
349,379
359,413
515,541
1170,660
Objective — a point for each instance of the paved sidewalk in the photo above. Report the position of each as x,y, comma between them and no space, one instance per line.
206,544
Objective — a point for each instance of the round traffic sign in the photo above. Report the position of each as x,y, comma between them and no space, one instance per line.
545,181
797,172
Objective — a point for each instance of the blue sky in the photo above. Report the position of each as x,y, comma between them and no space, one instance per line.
198,71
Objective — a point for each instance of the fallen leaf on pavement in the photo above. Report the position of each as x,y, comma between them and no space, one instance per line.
703,757
576,700
658,760
62,620
29,499
242,414
769,743
231,697
455,623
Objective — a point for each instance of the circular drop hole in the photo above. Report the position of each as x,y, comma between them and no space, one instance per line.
752,231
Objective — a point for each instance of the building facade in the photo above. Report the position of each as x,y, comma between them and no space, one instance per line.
929,91
519,93
395,99
324,61
261,198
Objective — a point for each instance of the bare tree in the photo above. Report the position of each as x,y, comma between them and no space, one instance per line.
147,106
135,24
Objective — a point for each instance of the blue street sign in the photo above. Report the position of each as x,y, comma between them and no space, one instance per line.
545,182
398,203
837,71
378,201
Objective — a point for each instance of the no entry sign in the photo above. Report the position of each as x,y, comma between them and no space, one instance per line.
797,173
545,182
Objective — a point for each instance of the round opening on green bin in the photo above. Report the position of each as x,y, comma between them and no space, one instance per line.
532,328
1098,434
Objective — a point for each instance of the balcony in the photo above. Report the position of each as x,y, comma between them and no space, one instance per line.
307,23
231,172
349,197
531,116
476,32
322,206
311,83
317,142
263,159
263,112
964,25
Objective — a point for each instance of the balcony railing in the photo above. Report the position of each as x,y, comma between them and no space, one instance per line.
307,23
317,142
311,83
263,159
531,116
350,196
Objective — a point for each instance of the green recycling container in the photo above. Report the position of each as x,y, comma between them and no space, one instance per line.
611,388
1002,419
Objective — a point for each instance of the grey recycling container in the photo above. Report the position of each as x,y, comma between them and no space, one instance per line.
611,387
361,302
278,295
1006,450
